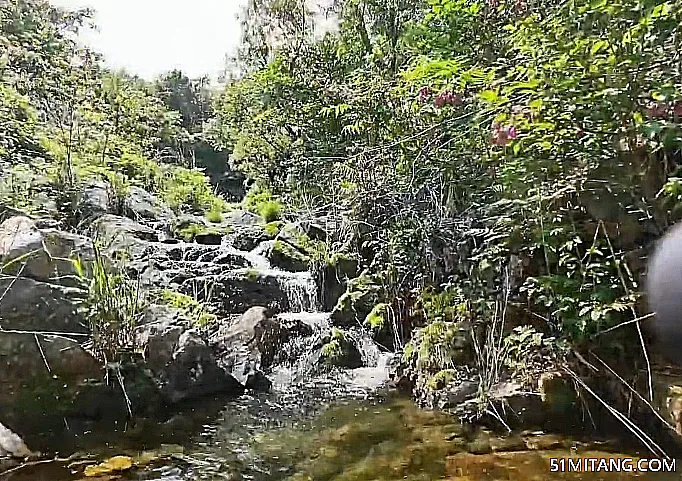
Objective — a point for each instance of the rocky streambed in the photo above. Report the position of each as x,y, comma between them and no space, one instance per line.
252,379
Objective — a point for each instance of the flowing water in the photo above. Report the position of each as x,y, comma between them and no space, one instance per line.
338,426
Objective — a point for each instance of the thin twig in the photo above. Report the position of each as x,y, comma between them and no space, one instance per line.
42,353
631,321
632,427
634,391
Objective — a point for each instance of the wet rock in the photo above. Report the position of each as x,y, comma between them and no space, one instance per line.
140,204
341,352
31,305
236,292
131,391
249,347
12,445
334,279
285,256
212,238
96,200
193,372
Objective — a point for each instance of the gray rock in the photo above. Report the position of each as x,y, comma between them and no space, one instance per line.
234,292
97,199
123,236
31,305
182,364
246,229
241,218
27,356
249,347
194,373
140,204
44,255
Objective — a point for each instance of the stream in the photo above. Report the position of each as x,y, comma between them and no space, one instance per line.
342,425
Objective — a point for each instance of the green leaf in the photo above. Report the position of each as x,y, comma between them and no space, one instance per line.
489,96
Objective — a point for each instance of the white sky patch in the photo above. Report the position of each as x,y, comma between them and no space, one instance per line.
150,37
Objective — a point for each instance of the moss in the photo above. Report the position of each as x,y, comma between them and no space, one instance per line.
251,275
215,216
339,351
377,318
441,379
189,232
194,310
272,229
288,257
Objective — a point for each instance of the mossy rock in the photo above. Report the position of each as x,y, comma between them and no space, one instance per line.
287,257
340,352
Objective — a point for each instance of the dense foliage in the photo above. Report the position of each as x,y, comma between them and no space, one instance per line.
499,163
517,155
66,120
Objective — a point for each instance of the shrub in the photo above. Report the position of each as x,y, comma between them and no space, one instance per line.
112,304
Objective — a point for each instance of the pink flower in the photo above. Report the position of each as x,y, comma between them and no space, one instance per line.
677,109
502,135
424,94
657,110
439,101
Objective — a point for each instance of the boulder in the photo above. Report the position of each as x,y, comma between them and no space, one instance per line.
38,375
123,236
242,218
96,200
234,292
245,229
30,305
193,372
182,364
43,255
24,356
248,347
341,352
285,256
140,204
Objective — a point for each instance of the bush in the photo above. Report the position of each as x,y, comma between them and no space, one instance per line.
112,304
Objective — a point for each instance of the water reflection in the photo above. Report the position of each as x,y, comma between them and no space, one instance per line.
270,438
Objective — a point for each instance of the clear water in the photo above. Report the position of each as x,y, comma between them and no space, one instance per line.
333,432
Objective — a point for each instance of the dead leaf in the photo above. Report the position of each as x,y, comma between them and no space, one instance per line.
111,465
